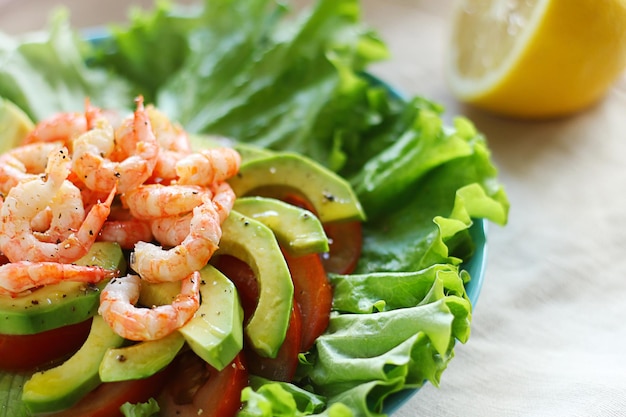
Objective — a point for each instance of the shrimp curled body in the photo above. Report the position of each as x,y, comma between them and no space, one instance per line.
117,308
93,151
27,200
18,277
155,264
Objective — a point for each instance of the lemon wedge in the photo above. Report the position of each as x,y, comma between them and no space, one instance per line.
536,58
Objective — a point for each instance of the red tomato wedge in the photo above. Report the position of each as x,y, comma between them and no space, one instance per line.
345,240
313,294
283,366
107,398
244,279
27,352
197,389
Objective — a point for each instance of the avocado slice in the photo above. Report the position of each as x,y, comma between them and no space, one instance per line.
216,331
255,244
53,306
60,387
331,196
14,125
298,230
140,360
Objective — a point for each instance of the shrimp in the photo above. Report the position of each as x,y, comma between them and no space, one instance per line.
125,232
151,201
24,163
64,127
173,141
19,277
208,166
117,308
155,264
57,222
93,150
19,242
171,230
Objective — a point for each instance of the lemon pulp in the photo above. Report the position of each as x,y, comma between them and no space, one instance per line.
536,58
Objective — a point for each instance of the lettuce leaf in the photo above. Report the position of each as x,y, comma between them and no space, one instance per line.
46,72
259,74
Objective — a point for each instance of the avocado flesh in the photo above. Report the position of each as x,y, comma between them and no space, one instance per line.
255,244
14,125
298,230
62,386
216,332
331,196
140,360
53,306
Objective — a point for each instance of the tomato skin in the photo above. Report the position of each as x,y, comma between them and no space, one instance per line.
244,279
108,397
28,352
283,367
313,294
345,240
197,389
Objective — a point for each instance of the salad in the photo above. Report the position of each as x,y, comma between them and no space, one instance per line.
274,83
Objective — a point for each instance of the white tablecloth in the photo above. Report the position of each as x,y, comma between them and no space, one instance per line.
549,331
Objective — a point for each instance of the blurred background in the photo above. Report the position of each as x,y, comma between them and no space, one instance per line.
549,329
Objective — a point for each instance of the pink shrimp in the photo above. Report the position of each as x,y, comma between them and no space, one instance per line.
18,240
155,264
93,150
24,163
19,277
126,232
64,127
208,166
117,308
171,230
150,201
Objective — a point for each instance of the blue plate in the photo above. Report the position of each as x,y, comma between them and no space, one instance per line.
474,266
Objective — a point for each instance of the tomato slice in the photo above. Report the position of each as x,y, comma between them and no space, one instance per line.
283,366
31,351
108,397
345,240
313,294
244,279
197,389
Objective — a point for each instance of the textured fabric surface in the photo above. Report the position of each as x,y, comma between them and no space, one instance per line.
549,331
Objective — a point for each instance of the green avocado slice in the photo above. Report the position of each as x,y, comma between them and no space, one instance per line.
140,360
62,304
14,125
216,332
60,387
298,230
331,196
255,244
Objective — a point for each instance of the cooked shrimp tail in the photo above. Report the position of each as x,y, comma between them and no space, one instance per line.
18,277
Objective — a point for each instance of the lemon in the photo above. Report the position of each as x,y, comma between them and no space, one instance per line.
536,58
